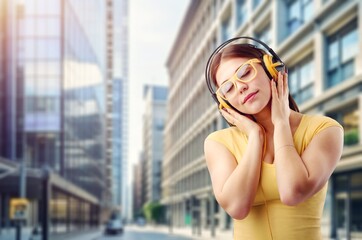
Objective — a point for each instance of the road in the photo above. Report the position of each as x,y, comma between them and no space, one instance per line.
130,233
143,235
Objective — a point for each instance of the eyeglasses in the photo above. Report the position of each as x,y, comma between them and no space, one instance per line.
245,73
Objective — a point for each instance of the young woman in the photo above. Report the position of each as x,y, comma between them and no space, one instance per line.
270,169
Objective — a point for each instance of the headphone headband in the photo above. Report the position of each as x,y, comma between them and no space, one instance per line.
224,44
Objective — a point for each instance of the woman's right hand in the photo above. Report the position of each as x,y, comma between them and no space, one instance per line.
244,123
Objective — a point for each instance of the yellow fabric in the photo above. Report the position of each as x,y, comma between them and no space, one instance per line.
269,218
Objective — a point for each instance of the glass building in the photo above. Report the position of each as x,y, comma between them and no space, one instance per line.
53,88
153,125
117,105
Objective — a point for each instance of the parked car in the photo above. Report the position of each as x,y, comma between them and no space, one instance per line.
114,226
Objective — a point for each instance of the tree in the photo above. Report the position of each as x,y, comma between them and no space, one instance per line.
154,212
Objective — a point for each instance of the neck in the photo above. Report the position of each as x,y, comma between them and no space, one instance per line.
264,119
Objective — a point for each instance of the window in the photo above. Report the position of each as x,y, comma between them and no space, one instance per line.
349,119
264,35
348,202
256,3
226,29
299,12
342,47
301,80
241,12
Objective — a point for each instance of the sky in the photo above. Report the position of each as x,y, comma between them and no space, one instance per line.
153,26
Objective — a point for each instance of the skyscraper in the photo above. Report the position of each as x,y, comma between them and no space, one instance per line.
117,104
52,83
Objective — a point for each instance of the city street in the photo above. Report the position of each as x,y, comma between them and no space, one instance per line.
143,235
130,233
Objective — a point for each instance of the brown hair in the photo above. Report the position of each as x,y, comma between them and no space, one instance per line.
242,51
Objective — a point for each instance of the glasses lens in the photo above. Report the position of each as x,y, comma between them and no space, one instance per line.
245,73
225,88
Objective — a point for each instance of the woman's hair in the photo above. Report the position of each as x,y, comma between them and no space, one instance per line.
242,51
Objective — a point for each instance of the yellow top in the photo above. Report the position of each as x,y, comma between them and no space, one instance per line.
269,218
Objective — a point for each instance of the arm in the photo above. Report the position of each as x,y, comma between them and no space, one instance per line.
300,177
235,184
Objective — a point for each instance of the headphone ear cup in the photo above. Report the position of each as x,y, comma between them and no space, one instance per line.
272,67
222,103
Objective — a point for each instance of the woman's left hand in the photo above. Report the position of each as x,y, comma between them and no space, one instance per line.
280,102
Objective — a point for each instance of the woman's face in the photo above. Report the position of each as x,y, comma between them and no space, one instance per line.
248,97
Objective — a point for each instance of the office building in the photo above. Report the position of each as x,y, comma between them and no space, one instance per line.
320,41
52,83
153,126
117,105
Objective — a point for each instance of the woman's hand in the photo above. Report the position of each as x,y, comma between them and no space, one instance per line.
280,103
244,123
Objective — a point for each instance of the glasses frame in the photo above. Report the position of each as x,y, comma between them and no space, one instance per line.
234,78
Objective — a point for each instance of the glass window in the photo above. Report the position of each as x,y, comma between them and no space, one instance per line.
48,27
30,87
53,68
53,27
29,7
53,7
299,12
226,29
48,49
349,118
349,45
42,7
29,48
241,12
256,3
27,26
301,80
264,35
30,69
356,212
342,48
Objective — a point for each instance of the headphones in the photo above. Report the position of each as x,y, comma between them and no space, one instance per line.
271,64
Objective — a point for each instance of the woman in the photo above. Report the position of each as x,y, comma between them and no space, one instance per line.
270,169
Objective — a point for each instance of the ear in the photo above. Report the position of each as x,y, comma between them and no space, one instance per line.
272,67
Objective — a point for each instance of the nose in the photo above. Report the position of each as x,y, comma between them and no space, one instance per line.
241,86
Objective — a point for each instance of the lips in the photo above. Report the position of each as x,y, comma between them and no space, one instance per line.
249,96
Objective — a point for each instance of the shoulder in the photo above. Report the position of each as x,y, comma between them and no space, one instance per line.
313,125
317,123
231,138
224,135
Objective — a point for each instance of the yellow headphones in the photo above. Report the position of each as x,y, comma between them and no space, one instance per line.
271,64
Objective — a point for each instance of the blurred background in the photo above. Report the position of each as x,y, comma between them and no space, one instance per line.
104,110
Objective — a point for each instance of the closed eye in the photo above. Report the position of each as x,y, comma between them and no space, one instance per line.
243,71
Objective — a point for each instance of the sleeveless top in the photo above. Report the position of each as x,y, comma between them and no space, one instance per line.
269,218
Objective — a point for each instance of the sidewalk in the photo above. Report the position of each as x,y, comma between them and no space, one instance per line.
186,232
9,234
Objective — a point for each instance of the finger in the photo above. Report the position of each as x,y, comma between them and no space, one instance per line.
225,113
236,116
286,87
274,90
280,84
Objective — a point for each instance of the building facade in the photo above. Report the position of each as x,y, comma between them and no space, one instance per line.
139,187
53,89
153,126
116,101
320,41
